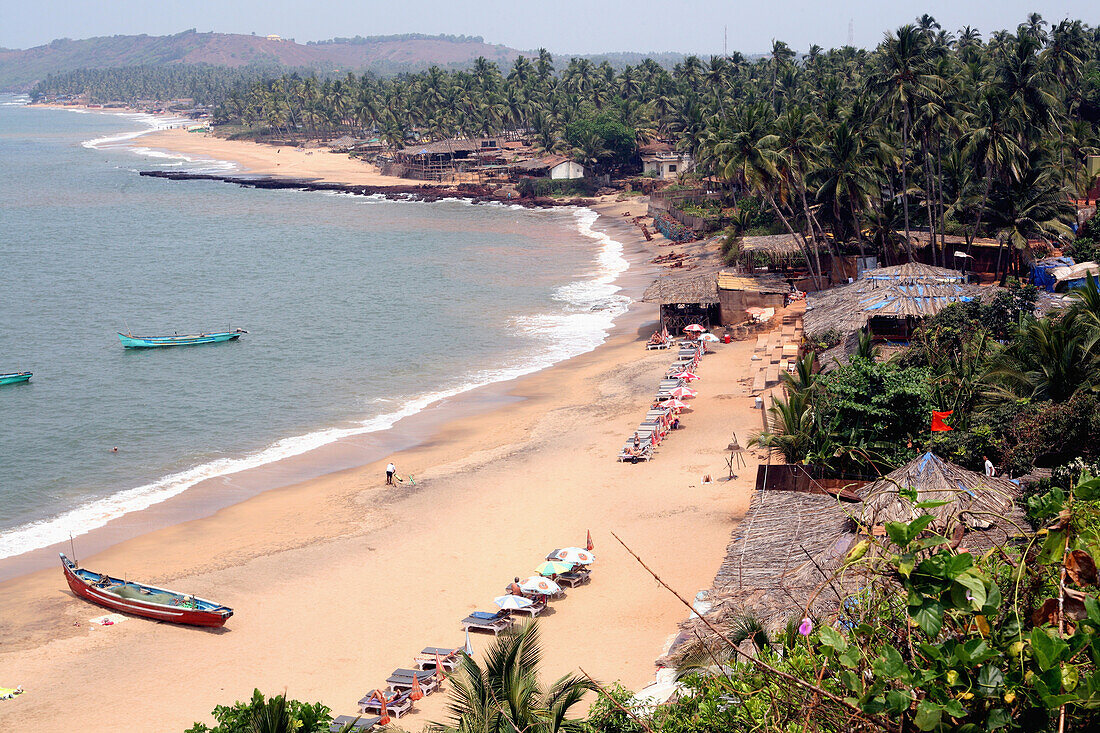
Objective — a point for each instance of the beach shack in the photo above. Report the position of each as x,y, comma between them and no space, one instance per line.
791,543
738,292
443,159
661,161
889,306
554,167
685,300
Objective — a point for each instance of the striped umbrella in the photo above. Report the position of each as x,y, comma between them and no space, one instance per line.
540,585
689,376
416,693
513,603
683,393
675,404
553,567
576,555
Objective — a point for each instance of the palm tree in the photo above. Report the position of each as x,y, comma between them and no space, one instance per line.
505,696
1048,360
904,79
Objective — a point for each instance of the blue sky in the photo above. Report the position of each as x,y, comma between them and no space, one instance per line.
563,26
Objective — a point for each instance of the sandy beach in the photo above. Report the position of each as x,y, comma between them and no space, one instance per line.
339,580
261,159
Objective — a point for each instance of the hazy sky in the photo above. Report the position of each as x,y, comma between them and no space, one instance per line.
563,26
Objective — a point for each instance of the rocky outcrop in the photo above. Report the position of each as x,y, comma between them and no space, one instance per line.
472,192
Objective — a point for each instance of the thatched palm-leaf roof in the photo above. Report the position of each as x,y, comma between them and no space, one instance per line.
700,288
785,557
915,272
980,502
848,307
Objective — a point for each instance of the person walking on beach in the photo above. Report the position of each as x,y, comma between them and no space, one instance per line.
390,471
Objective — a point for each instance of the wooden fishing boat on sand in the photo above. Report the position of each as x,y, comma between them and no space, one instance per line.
143,600
15,377
151,342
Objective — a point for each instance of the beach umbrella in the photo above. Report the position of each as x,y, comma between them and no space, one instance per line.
384,717
689,376
416,693
709,337
541,585
513,603
589,546
694,328
553,567
681,393
468,649
675,404
439,673
576,555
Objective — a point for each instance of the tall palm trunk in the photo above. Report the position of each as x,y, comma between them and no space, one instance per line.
799,238
905,180
929,197
939,198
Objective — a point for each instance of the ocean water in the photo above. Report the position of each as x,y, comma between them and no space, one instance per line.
360,311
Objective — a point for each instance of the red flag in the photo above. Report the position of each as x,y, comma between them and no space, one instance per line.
590,546
938,423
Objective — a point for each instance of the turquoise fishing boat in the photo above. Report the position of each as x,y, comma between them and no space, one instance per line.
15,377
151,342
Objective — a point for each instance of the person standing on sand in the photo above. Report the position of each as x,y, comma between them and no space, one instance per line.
989,470
390,471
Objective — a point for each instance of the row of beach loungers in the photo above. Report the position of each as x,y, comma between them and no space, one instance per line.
502,620
663,415
405,686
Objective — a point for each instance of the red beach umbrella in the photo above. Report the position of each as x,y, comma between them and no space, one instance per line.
695,327
675,404
683,393
416,693
384,717
590,547
439,673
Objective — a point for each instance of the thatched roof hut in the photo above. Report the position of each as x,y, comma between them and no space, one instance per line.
980,503
850,307
686,299
783,558
915,272
699,289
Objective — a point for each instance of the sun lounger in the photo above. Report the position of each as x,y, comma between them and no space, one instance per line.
575,578
644,453
426,659
363,724
396,707
402,679
482,621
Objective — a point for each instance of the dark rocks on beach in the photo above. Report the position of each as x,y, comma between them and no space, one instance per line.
472,192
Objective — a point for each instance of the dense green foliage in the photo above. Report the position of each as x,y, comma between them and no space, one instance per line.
268,715
931,130
505,695
205,85
1023,390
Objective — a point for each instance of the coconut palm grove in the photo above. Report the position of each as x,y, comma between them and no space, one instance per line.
934,140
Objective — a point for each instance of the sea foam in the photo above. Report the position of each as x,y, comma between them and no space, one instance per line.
589,308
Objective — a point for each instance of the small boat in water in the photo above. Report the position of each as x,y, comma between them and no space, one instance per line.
15,377
143,600
152,342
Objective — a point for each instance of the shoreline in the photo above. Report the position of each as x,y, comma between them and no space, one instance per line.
208,495
336,580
